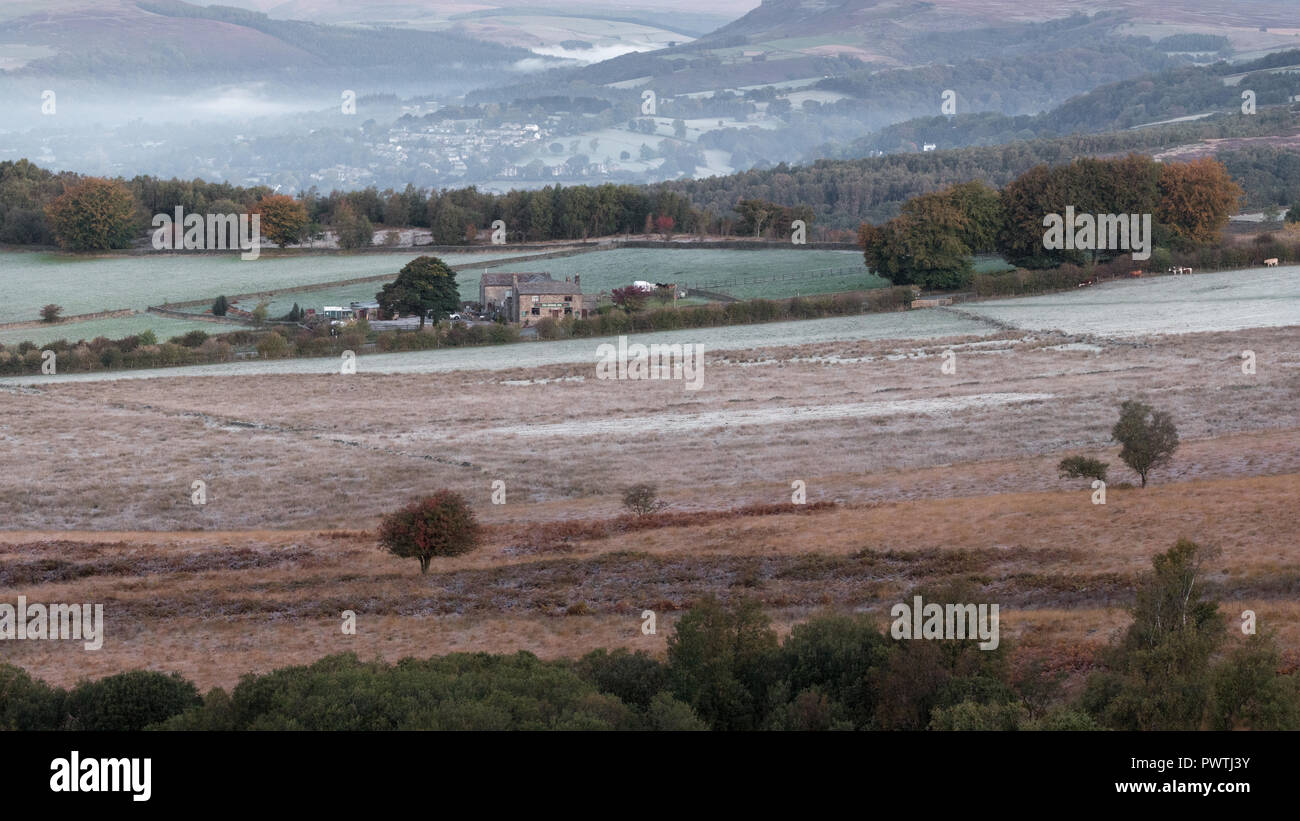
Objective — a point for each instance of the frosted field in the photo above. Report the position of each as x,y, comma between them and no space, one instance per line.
605,270
163,327
1229,301
902,325
84,285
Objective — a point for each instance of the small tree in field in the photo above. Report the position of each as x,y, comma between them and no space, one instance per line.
1148,437
1081,467
440,525
50,313
643,499
220,306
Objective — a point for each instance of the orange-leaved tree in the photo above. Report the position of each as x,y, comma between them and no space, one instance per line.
1196,199
283,219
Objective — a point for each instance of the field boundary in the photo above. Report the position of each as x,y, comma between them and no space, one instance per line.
174,307
815,273
116,313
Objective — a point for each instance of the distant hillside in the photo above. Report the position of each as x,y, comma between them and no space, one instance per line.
121,40
843,193
1192,92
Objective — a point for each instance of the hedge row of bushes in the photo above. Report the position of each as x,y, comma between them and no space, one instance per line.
198,348
1217,258
615,322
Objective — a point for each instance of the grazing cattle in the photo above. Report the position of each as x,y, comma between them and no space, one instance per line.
1178,269
1135,274
1271,263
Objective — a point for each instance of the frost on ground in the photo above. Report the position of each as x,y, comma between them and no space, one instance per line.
1228,301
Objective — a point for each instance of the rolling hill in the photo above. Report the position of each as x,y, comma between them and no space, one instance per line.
125,41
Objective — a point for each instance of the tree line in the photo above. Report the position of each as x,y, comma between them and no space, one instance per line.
932,241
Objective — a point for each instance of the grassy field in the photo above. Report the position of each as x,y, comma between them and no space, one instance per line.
606,270
614,269
163,327
85,284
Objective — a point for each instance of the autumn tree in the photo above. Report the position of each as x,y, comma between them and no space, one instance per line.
923,246
1147,437
1196,200
981,205
424,284
440,525
1126,185
94,214
664,225
630,298
283,219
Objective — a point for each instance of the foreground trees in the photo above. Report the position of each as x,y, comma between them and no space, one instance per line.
1177,667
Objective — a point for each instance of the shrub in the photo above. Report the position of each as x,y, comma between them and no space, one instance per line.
440,525
1081,467
193,339
220,306
635,678
27,703
720,662
273,346
130,701
667,714
50,313
642,499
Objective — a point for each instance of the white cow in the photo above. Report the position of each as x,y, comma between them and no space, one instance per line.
1271,263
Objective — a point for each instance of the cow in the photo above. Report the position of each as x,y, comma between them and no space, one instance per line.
1270,263
1135,274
